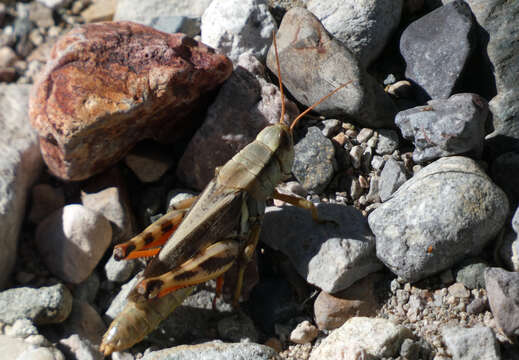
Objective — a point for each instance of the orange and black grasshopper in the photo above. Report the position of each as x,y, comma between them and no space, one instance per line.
204,236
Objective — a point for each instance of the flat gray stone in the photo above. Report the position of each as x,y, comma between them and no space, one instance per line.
503,297
20,165
448,211
392,176
329,256
474,343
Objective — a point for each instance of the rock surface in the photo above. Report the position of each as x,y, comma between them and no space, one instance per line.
503,296
313,64
329,256
109,85
448,211
20,165
475,343
144,11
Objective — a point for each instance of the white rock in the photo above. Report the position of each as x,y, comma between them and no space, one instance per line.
20,165
360,335
54,4
304,333
236,27
144,11
363,26
72,240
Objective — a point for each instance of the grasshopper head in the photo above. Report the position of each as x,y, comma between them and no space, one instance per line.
278,138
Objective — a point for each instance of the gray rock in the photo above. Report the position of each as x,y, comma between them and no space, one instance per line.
78,348
471,274
362,337
237,27
72,240
446,212
148,161
314,161
237,328
330,127
313,64
119,271
473,343
505,171
246,96
445,127
85,322
215,350
145,11
87,290
177,24
498,19
329,256
503,296
46,305
19,165
436,49
393,175
388,141
363,27
509,249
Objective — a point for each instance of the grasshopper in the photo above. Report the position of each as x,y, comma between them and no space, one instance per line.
205,235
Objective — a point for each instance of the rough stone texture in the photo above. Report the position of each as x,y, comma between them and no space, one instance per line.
436,48
313,64
19,165
364,27
245,104
215,350
237,27
471,274
144,11
362,337
445,127
388,141
314,161
498,19
446,212
503,296
329,256
109,85
119,271
331,311
392,176
304,333
72,240
16,348
474,343
509,250
85,321
46,305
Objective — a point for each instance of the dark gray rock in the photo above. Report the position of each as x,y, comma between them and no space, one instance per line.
503,296
436,48
448,211
20,165
445,127
215,350
472,274
46,305
388,141
237,328
474,343
329,256
392,176
314,161
505,172
313,64
509,250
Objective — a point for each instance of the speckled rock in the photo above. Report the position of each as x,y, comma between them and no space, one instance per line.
474,343
362,337
109,85
464,211
313,64
314,161
46,305
329,256
19,165
245,104
503,296
72,240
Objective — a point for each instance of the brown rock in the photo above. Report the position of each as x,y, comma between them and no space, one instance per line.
331,311
109,85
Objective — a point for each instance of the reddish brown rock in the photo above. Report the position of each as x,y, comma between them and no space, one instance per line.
109,85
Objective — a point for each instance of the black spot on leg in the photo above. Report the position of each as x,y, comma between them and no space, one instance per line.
148,238
215,263
185,275
166,227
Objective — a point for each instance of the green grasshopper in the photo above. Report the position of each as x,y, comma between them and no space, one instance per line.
205,235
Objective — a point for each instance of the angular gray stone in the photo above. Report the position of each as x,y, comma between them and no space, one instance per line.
237,27
509,250
436,49
471,274
329,256
392,176
46,305
215,350
503,297
119,271
145,11
20,165
364,27
445,127
86,322
314,161
473,343
313,65
388,141
446,212
245,104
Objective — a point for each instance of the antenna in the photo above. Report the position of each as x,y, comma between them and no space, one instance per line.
279,77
